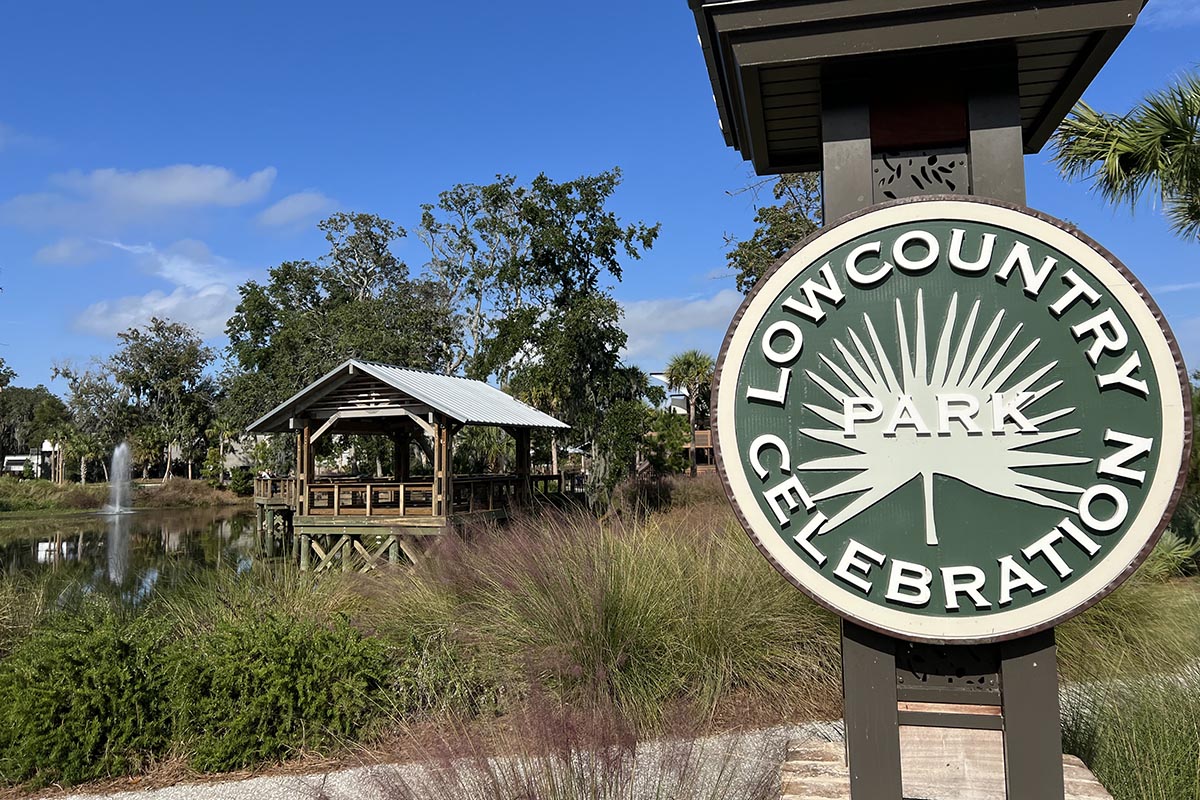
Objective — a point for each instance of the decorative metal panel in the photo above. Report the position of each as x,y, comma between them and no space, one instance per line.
920,172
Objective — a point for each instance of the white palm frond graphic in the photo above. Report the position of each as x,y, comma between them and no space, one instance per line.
970,366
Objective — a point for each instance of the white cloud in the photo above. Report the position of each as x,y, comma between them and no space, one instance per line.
295,208
71,250
111,197
659,328
206,310
1171,13
204,296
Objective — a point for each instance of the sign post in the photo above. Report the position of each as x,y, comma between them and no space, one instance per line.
952,420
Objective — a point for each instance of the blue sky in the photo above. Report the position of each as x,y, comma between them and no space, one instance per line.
155,155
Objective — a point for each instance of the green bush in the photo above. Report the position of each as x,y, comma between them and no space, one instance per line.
80,699
254,691
241,481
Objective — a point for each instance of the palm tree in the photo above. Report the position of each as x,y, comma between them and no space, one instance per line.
1153,148
691,371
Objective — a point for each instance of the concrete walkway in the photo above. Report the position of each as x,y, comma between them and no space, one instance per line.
737,766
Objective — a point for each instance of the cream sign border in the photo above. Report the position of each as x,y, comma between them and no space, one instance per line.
1141,534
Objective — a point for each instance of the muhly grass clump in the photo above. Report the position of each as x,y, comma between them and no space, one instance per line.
641,615
1141,737
1148,626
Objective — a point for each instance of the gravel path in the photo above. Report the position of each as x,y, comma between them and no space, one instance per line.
735,765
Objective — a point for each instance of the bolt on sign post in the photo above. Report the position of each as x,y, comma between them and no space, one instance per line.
952,420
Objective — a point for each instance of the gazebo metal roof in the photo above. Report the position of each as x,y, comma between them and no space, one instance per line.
368,388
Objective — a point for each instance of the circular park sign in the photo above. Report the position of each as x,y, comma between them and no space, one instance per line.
952,420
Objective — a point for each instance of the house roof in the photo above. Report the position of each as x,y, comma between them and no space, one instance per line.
367,387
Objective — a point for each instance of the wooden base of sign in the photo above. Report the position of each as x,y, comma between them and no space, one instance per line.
1011,687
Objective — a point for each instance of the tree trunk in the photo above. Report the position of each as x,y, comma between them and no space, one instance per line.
189,469
104,466
83,470
554,453
692,425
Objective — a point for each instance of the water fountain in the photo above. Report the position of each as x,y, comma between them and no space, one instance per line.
118,481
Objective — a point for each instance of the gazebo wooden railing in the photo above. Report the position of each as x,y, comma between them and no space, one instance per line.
276,491
413,498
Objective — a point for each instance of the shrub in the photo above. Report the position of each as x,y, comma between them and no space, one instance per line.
241,481
81,699
255,691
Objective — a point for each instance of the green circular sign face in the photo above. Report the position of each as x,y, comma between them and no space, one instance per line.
952,420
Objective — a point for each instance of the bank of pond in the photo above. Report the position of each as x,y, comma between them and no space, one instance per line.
41,497
168,638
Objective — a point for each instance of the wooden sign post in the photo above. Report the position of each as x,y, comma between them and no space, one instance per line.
952,420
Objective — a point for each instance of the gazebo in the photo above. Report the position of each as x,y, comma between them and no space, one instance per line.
361,518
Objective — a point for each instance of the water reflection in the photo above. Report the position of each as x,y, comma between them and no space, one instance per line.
129,555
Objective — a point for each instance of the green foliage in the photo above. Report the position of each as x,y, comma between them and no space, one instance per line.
525,268
357,301
692,372
241,481
670,434
779,228
258,690
82,698
1154,148
6,374
27,417
1140,738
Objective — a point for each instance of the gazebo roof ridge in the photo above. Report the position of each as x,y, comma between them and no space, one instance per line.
465,400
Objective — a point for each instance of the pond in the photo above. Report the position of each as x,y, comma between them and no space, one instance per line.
130,554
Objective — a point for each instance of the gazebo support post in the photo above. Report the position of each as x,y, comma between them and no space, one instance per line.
524,463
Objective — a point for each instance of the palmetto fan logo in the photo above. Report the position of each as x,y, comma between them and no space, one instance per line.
963,412
951,420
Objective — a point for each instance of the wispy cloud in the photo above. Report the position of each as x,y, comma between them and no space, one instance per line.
204,294
659,328
1177,287
1171,13
295,208
70,250
111,197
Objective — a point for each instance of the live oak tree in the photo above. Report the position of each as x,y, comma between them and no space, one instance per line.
6,375
357,301
26,417
527,270
163,367
100,414
778,228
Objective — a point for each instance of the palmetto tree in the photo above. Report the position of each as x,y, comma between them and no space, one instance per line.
1153,148
691,372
